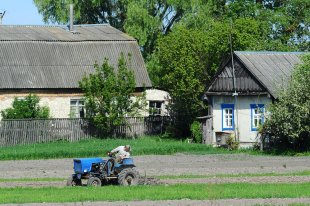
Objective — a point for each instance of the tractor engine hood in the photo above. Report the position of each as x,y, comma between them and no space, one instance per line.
84,165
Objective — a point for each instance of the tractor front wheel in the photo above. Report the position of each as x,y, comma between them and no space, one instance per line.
128,176
94,181
73,181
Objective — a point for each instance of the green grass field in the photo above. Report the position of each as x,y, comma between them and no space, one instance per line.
161,192
154,145
99,147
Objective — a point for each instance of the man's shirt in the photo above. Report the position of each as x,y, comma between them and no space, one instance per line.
120,152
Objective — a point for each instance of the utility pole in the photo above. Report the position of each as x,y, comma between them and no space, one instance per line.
235,94
1,16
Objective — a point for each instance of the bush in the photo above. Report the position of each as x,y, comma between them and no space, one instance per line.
27,108
231,143
109,95
196,131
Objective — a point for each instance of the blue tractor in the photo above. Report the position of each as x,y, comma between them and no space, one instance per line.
100,172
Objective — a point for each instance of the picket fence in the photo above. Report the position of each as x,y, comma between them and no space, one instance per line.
15,132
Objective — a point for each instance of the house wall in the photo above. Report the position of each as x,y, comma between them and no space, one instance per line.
246,135
59,103
160,96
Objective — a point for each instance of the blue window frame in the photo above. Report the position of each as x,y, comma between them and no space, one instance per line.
227,117
257,115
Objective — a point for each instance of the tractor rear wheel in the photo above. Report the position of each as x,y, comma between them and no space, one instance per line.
94,181
128,176
73,181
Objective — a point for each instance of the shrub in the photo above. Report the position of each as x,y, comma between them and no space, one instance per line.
109,95
196,131
288,124
27,108
231,143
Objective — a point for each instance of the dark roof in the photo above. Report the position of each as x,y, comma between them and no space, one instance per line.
245,83
256,72
34,57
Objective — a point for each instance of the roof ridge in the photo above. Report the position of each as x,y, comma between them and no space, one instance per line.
54,25
268,52
29,25
73,41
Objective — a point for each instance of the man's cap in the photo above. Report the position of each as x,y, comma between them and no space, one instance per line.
128,146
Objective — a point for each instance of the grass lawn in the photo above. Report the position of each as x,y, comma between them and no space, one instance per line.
161,192
99,147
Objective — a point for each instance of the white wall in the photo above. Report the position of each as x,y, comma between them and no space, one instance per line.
244,115
59,104
158,95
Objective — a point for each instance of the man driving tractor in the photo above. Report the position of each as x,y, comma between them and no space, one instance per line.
120,153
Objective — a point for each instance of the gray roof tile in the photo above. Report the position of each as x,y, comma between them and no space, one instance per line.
272,69
53,57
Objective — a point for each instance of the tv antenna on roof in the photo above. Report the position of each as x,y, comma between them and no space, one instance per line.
1,16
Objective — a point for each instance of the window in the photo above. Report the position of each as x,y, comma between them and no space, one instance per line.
155,108
257,116
77,108
227,117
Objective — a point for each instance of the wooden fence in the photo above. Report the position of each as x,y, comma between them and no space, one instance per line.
13,132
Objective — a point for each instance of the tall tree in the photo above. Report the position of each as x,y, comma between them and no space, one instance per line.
143,19
183,59
86,11
109,95
147,20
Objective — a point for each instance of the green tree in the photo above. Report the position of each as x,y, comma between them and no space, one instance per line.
289,121
27,108
182,56
146,20
109,95
86,12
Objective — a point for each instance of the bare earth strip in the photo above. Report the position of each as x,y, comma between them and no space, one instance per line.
155,165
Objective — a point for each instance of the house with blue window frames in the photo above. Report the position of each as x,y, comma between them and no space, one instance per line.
240,93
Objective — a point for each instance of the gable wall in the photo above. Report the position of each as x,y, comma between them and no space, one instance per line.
245,83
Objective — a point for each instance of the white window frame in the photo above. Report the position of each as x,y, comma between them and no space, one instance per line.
257,116
227,117
75,109
156,111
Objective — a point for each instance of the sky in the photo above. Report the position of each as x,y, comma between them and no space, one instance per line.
20,12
